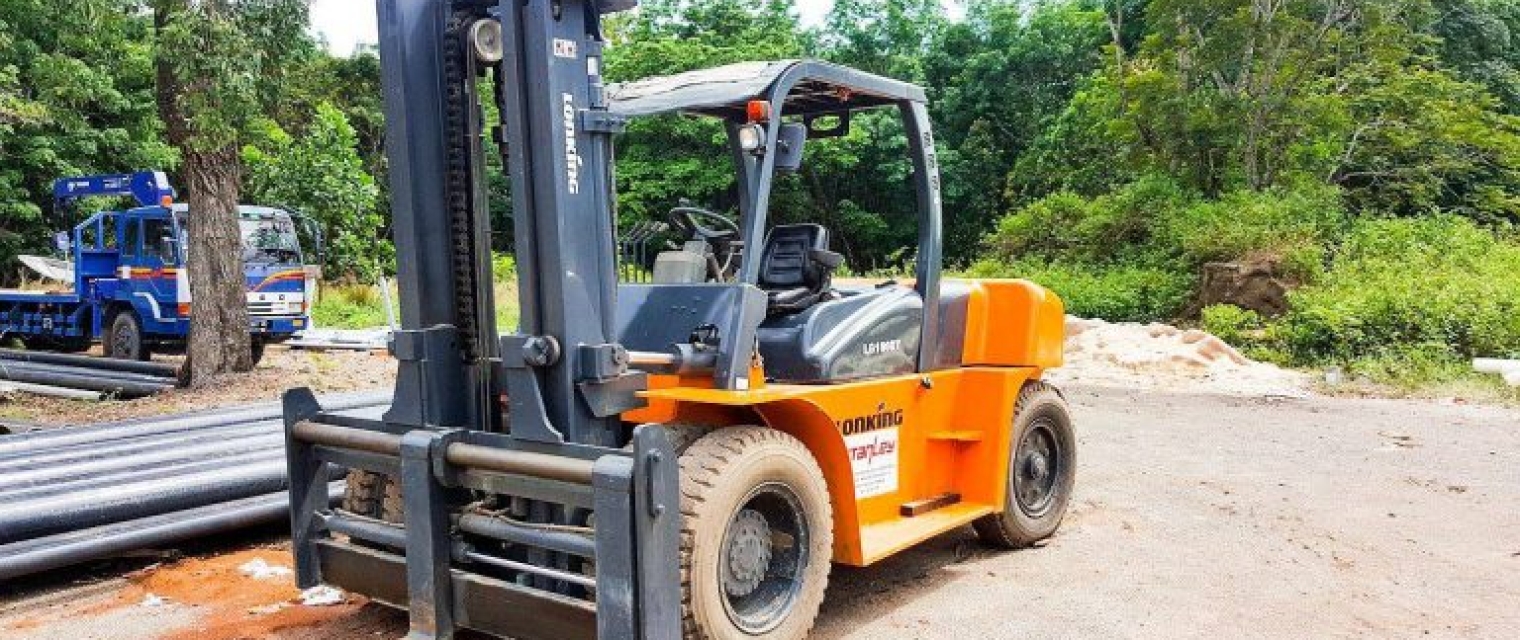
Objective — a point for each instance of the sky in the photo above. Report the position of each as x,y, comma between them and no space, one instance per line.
348,23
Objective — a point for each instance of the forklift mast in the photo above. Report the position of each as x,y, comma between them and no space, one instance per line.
566,379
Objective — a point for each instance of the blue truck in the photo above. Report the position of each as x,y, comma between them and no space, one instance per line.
129,288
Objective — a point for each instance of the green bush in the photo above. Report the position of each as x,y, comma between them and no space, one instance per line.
1441,284
1068,227
1233,324
1115,293
1400,301
1293,225
1411,367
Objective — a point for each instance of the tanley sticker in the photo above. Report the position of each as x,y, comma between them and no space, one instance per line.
872,443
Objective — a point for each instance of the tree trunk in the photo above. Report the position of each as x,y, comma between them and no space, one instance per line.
219,341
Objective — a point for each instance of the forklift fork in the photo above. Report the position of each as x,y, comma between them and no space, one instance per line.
429,568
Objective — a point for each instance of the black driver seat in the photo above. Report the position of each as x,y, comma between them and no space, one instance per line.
797,267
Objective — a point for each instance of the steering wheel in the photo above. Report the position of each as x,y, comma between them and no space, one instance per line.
700,223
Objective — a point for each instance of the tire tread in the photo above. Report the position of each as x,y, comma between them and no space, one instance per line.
993,529
702,466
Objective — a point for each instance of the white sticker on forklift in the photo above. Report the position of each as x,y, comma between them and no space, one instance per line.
873,458
564,48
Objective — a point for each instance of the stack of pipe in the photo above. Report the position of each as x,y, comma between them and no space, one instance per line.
80,376
73,495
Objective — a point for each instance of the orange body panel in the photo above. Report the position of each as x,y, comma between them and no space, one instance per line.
1014,322
949,429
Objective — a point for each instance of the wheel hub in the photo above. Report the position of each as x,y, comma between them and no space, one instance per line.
749,553
1035,479
1039,467
762,558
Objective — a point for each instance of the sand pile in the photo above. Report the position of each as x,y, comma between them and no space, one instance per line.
1159,356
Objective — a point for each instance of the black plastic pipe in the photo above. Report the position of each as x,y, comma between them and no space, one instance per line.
121,388
68,438
141,473
369,401
48,473
86,372
365,405
159,369
130,446
22,519
45,554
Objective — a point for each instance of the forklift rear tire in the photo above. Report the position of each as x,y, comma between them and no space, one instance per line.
756,536
125,341
373,495
1042,470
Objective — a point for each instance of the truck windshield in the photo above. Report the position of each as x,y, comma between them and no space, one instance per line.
270,240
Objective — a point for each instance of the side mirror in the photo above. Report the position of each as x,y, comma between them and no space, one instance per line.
170,249
789,145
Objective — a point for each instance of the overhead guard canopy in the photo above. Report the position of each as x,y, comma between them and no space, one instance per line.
820,88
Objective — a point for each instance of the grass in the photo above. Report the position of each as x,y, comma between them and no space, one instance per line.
351,306
348,306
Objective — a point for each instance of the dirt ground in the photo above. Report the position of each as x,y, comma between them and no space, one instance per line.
281,369
1196,516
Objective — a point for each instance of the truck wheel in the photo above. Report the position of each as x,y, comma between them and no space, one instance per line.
125,341
257,353
1042,470
756,536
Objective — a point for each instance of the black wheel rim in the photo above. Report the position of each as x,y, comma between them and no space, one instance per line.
1038,464
764,557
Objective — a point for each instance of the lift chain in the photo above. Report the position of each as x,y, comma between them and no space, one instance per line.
459,70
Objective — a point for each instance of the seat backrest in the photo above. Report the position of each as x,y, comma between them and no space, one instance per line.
788,259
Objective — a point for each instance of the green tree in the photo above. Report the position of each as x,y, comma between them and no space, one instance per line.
1419,141
320,174
664,160
1480,40
76,98
886,37
997,81
207,100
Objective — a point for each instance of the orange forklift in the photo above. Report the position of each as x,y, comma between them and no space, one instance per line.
680,458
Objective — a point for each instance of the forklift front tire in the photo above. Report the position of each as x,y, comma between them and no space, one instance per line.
756,536
1042,469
